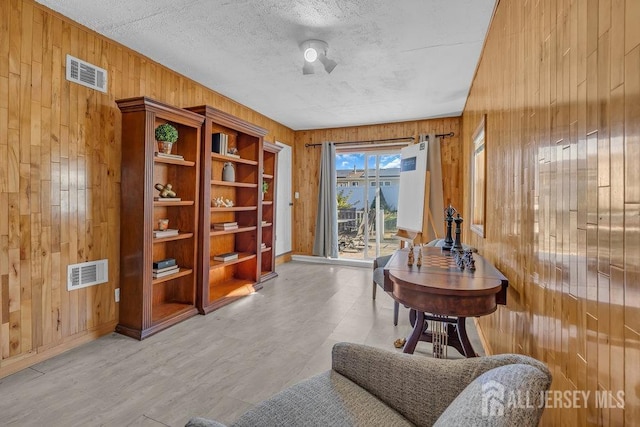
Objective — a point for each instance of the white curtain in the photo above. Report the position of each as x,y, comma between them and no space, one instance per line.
325,243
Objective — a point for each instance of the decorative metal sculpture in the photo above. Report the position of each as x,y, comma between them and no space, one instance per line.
166,191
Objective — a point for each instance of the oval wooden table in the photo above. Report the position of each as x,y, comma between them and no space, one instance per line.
439,290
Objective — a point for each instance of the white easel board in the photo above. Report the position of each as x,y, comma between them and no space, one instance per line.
413,168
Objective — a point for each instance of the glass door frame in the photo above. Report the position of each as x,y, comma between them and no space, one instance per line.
368,151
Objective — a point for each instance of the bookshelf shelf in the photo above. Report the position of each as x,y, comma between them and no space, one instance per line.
178,162
237,230
235,209
182,272
234,184
180,236
242,257
180,203
216,156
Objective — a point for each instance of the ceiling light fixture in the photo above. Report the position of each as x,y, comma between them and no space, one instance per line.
316,50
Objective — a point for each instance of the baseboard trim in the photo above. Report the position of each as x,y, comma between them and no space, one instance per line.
483,338
282,258
21,362
333,261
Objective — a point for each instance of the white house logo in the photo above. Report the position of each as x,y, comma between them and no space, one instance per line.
496,398
493,399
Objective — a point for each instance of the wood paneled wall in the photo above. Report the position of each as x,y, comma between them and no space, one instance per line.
306,166
559,82
60,175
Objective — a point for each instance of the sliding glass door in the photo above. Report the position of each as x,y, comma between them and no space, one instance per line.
367,192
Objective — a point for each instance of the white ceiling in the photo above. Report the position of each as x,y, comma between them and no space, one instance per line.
397,60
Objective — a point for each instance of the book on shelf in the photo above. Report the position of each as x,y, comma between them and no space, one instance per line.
225,226
232,227
169,156
167,199
169,272
162,270
169,232
164,263
229,256
219,143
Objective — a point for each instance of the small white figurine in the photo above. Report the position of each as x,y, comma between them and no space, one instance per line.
220,202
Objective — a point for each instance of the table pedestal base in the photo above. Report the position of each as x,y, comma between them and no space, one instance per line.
456,332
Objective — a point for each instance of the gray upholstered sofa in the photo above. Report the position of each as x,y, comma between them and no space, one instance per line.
372,387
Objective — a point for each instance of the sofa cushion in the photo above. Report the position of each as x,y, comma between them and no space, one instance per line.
326,399
505,396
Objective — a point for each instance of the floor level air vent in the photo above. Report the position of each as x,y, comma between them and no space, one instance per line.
86,74
87,274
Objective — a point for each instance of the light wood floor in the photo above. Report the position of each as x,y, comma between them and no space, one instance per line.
216,366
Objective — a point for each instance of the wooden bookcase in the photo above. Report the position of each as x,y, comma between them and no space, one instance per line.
223,282
148,305
270,168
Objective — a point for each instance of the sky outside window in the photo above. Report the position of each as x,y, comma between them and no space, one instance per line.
348,161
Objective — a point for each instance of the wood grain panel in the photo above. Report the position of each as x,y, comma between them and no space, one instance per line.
306,166
60,149
581,226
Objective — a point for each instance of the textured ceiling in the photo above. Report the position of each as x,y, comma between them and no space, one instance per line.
397,60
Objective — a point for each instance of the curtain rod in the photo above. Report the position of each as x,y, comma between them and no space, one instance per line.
441,135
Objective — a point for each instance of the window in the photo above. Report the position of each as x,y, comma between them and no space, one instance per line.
354,183
387,183
373,183
478,178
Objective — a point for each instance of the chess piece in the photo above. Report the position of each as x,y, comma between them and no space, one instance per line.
459,259
469,262
457,244
410,258
419,263
448,240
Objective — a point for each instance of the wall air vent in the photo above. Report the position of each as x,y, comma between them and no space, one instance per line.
87,274
86,74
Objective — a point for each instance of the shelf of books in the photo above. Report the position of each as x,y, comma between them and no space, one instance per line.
229,257
160,207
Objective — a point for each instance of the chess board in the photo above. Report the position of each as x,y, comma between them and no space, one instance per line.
439,261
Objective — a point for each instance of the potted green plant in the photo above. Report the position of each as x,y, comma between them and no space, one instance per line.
166,135
265,188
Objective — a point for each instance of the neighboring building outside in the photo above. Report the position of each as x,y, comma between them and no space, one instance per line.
352,183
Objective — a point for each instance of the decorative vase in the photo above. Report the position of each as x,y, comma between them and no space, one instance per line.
165,146
228,172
